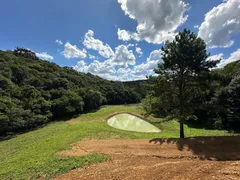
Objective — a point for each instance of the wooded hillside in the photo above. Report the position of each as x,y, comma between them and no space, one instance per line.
34,92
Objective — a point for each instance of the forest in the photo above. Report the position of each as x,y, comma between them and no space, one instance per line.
192,90
34,92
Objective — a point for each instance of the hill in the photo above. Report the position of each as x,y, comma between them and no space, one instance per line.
37,154
35,91
232,69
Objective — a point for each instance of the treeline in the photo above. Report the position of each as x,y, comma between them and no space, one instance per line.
34,92
215,107
222,100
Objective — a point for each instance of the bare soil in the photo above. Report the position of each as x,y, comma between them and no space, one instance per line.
191,158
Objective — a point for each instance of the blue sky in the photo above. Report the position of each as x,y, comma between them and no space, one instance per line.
117,39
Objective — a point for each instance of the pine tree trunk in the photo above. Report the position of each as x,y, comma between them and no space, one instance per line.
181,129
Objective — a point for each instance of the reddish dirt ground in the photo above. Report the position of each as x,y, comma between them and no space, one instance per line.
191,158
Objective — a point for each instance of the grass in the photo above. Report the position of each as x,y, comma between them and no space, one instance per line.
33,154
105,111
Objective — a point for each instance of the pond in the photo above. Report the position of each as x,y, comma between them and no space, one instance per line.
130,122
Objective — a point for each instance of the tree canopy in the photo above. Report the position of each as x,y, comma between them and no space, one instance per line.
34,92
182,76
195,91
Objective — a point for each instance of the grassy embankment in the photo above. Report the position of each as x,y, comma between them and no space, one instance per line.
33,154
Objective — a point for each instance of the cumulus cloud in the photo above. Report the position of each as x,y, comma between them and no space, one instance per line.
103,69
108,70
119,65
107,53
59,42
117,68
97,67
139,51
124,35
155,55
130,45
215,57
157,19
123,71
220,24
91,43
233,57
81,66
147,68
123,57
44,55
84,51
72,51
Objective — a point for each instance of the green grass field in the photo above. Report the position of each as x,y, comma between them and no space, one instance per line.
33,154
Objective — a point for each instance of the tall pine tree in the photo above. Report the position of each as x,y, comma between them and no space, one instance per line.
182,75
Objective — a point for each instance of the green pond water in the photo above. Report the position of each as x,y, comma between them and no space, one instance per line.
130,122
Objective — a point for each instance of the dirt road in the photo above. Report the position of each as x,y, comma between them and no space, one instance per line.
193,158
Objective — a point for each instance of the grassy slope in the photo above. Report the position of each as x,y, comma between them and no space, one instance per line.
33,154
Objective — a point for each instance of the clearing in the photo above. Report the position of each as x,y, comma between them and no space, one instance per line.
35,154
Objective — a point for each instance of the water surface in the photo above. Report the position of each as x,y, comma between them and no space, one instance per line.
130,122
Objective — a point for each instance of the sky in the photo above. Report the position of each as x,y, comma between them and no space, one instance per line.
117,39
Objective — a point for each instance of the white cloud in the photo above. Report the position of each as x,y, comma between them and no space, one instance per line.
111,70
123,57
59,42
152,62
84,51
157,19
44,55
97,67
107,70
139,51
233,57
91,43
215,57
107,53
220,23
103,69
114,68
141,69
123,35
155,55
123,71
117,68
81,66
130,45
196,26
72,51
91,56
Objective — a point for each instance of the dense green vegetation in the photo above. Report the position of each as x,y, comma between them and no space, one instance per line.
187,88
34,92
34,154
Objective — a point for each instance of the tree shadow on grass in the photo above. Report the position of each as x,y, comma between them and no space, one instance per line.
222,148
196,125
